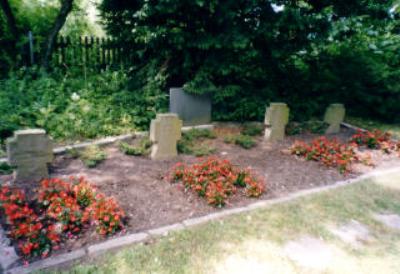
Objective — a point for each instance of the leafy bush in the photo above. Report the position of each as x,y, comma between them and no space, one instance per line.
217,179
331,51
139,150
92,156
73,107
252,129
5,169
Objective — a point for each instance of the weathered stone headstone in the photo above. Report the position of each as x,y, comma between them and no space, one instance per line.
165,131
30,151
334,116
276,119
192,109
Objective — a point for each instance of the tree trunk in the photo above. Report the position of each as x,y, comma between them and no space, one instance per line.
48,46
12,25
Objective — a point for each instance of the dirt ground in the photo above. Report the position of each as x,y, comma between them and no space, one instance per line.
138,183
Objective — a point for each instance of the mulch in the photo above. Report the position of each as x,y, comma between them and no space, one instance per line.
140,187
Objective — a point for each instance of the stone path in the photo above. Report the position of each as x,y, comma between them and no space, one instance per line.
389,220
7,253
309,252
353,233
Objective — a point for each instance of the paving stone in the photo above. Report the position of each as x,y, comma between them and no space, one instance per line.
309,252
7,252
352,233
390,181
389,220
116,243
49,262
166,229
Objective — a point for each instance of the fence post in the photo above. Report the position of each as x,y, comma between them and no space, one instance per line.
31,53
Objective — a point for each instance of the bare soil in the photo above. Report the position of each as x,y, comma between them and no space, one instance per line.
140,187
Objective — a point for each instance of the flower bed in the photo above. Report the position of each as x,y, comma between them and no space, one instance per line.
331,153
217,179
343,155
376,139
61,210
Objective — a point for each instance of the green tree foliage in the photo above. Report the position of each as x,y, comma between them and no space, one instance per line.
38,17
250,52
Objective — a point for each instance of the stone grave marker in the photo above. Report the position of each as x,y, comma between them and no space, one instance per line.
276,119
334,116
192,109
30,151
165,131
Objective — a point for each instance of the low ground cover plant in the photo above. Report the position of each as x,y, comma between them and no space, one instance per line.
193,142
5,168
245,141
143,148
331,153
252,129
217,179
312,126
92,156
61,210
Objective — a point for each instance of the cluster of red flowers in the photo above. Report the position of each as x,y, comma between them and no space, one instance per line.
330,152
107,214
376,139
34,235
217,179
62,209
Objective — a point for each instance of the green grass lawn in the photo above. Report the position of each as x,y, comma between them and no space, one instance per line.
372,124
254,241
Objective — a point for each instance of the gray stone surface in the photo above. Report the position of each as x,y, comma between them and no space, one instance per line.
166,229
309,252
7,253
353,233
276,119
116,243
165,131
50,262
192,109
389,220
30,151
334,116
201,127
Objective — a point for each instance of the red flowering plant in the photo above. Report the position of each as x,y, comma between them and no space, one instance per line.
376,139
217,179
24,225
58,199
61,209
331,153
106,214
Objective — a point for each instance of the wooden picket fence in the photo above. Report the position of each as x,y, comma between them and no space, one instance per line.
92,52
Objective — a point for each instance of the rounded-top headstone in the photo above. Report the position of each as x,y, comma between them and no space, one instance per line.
334,116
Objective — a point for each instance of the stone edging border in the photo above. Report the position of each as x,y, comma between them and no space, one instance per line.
100,248
110,140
